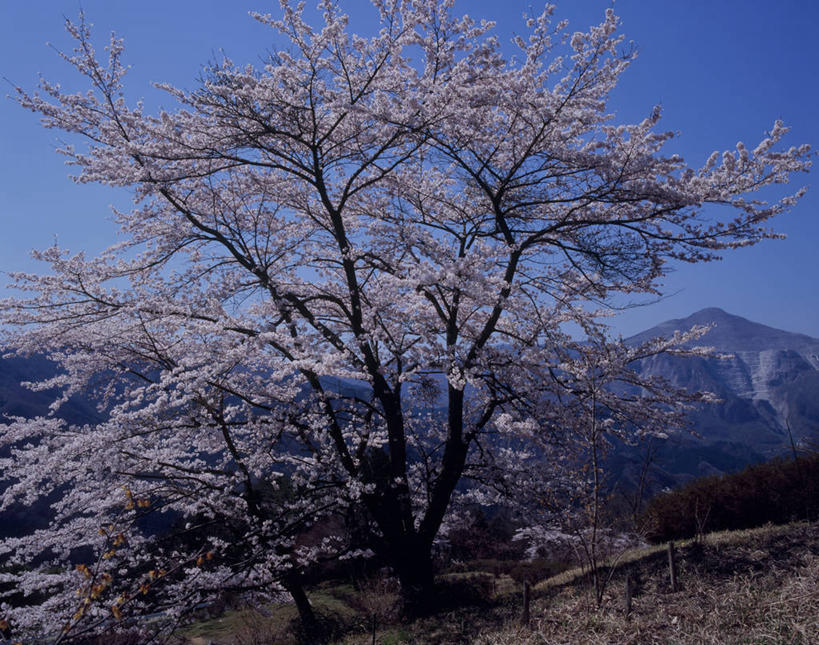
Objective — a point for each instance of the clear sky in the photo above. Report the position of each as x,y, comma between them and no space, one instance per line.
723,71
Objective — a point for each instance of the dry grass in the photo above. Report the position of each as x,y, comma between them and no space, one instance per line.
775,608
758,586
742,537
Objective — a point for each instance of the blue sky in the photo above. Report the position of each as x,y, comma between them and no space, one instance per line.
723,71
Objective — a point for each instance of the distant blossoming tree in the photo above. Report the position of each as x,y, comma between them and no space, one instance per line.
343,289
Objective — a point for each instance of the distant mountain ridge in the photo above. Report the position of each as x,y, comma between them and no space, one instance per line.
774,371
735,333
769,389
17,400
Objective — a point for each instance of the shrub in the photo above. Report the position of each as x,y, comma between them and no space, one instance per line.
473,589
775,492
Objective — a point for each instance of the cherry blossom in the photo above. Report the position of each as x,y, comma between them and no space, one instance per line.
342,300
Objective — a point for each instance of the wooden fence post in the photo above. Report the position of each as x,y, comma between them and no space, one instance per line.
629,590
526,597
672,567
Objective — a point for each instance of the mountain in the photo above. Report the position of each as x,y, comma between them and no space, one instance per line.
769,391
18,401
768,386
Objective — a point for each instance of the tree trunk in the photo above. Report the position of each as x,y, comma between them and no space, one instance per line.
413,566
307,616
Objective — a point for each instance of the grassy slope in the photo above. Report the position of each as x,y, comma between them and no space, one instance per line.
754,586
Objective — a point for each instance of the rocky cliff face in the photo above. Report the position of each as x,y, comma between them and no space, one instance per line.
768,383
771,377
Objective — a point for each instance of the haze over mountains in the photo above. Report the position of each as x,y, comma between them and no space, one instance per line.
770,383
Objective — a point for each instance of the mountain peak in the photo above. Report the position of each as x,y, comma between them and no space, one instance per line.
730,332
717,316
769,383
714,312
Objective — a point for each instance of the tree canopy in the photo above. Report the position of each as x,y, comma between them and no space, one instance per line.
344,289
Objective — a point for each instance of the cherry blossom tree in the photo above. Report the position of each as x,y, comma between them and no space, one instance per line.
343,289
604,402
